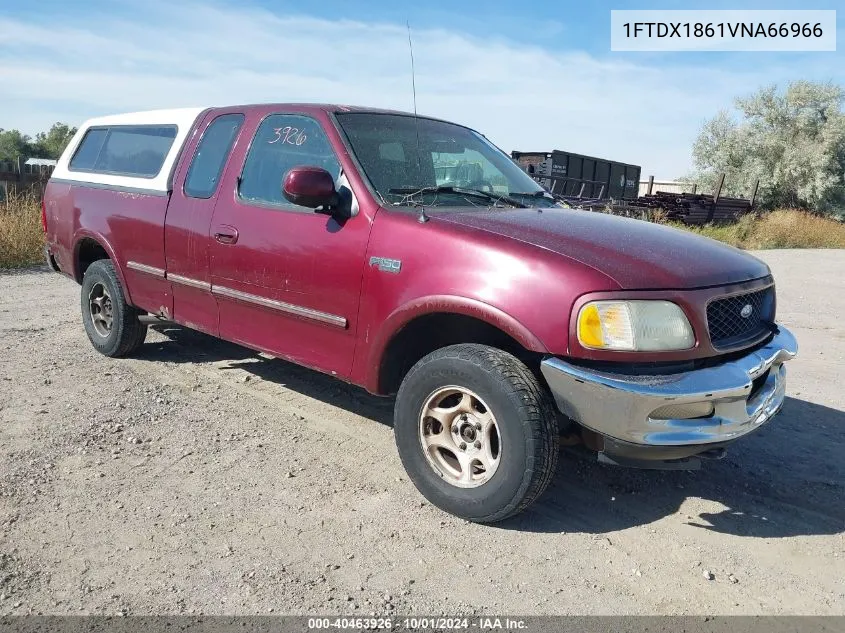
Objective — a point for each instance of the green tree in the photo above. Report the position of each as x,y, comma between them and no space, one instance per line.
14,144
52,143
792,141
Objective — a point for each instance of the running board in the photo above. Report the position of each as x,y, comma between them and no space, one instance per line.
149,319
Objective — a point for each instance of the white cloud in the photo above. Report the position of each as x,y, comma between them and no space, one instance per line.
520,96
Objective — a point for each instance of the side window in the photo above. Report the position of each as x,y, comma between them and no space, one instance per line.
126,150
284,141
89,149
210,158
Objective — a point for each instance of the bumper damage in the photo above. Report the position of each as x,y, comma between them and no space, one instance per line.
664,417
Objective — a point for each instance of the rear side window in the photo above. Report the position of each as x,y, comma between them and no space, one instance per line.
212,152
126,150
86,156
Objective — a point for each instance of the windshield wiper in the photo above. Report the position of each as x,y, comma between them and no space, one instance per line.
477,193
532,194
545,195
535,194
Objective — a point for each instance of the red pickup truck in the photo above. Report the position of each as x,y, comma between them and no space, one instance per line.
411,256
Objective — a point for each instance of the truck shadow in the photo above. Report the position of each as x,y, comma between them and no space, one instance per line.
787,479
184,345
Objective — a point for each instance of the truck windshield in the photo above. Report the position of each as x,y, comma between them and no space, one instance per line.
422,161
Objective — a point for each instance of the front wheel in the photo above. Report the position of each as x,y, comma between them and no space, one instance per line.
476,432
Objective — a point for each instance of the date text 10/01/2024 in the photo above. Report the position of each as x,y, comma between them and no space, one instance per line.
418,623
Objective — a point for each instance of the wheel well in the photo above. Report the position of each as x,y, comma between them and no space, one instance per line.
88,251
430,332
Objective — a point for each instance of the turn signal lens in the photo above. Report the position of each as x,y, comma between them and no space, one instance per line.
589,327
639,326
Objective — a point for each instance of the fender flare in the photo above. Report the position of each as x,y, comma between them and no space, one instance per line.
439,304
102,241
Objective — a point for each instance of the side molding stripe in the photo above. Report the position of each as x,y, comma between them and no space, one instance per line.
281,306
187,281
149,270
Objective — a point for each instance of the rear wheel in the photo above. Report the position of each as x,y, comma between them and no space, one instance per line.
476,432
112,325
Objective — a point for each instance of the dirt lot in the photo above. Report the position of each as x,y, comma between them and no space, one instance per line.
202,478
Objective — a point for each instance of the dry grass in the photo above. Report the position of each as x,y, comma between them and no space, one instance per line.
786,228
21,237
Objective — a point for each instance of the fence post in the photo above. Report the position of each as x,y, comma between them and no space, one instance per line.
754,194
650,185
719,188
694,188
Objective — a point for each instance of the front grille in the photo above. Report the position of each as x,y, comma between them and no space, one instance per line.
729,329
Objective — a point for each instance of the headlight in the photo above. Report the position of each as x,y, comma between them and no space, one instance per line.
639,326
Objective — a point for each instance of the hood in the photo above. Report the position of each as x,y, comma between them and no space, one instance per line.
637,255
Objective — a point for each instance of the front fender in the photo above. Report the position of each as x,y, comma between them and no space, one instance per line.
440,304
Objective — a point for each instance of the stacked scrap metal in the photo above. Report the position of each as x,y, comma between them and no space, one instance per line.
695,208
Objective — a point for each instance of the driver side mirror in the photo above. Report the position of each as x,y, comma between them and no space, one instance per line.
310,187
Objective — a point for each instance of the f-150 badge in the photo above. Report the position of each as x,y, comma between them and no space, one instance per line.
386,265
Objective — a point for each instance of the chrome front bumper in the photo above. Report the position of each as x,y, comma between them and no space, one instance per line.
744,393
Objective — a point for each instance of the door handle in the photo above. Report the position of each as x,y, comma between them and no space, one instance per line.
226,234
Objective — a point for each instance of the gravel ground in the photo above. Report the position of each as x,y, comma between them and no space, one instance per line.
203,478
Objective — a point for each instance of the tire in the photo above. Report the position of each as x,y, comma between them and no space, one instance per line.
112,324
511,470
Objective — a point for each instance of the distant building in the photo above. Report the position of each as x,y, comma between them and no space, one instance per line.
41,162
42,166
24,174
26,166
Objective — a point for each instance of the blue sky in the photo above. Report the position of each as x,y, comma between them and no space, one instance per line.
530,75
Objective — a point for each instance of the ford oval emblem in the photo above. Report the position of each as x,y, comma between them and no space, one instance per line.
746,311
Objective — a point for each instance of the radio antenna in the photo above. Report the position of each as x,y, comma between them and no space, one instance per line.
423,217
413,74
